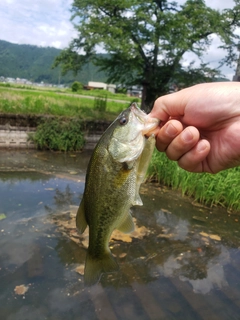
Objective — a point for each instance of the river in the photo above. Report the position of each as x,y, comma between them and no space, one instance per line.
182,262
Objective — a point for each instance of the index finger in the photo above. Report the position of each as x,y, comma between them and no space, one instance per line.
171,105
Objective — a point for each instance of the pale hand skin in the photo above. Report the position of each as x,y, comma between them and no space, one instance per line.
200,126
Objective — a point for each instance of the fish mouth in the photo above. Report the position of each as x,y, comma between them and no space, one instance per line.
148,123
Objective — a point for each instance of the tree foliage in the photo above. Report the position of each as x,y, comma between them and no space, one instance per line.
146,40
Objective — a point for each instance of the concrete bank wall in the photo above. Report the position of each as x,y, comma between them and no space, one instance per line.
15,138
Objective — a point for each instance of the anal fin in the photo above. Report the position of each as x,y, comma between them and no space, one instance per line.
127,225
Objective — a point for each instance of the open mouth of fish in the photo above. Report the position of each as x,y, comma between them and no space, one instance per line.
148,123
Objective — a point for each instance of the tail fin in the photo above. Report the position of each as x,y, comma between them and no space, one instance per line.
95,267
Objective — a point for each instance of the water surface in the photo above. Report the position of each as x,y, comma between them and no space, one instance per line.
183,263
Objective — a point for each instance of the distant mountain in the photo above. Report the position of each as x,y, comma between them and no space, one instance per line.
34,63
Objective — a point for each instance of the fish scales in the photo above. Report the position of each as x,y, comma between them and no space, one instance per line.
113,178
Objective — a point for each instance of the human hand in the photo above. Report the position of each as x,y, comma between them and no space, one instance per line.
200,126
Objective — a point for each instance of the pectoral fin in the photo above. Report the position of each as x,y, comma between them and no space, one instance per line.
146,158
80,218
127,225
143,166
137,200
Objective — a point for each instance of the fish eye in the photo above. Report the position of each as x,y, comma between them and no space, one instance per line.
123,121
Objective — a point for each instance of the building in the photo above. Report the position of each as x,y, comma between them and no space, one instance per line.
101,86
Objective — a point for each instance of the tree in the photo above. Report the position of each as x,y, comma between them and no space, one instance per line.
76,86
145,41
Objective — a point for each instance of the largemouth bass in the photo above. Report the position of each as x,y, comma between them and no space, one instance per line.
115,172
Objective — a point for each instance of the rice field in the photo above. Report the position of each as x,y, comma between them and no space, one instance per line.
27,101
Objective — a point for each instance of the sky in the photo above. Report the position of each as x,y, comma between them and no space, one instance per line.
47,23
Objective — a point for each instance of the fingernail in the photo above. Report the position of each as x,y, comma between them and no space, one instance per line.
171,130
187,135
201,146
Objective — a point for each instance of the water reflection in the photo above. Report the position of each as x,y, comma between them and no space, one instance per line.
172,226
215,275
183,262
192,255
195,255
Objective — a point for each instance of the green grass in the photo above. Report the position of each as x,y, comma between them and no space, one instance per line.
221,189
25,101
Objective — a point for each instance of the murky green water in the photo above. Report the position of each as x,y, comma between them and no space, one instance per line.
186,266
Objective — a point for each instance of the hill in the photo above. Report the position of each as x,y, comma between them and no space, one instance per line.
34,63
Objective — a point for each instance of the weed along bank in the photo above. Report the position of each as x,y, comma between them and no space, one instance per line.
45,132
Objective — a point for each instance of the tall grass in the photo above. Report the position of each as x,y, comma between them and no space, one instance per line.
220,189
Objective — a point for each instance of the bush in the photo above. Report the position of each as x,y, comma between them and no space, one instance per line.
59,134
76,86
